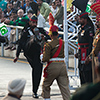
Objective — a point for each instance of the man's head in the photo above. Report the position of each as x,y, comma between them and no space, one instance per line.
14,15
58,2
83,18
16,87
53,31
20,13
39,2
97,21
9,6
27,2
29,14
33,21
53,5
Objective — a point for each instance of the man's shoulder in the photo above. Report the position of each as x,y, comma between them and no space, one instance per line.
44,4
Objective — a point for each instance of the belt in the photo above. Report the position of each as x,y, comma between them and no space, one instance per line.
82,62
83,46
57,59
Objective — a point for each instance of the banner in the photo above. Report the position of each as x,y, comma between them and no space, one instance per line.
88,9
3,30
80,4
69,4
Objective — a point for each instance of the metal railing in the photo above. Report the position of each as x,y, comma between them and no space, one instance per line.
17,35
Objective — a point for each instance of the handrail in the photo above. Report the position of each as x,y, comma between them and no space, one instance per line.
2,44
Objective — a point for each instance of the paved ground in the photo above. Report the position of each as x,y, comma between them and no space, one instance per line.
21,69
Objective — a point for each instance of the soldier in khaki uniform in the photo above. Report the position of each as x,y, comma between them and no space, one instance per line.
96,42
56,67
96,48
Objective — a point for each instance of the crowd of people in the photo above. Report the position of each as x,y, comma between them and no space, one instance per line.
17,12
34,16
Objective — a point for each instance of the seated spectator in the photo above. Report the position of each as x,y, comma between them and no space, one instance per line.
12,36
60,13
29,5
91,91
54,8
22,19
8,10
29,14
15,89
9,1
41,21
44,8
16,4
3,5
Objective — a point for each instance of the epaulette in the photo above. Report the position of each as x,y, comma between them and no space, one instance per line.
47,44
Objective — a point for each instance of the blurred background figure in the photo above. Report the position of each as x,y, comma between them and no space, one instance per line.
60,12
16,4
15,89
8,10
41,21
91,91
54,8
44,8
29,5
29,14
3,5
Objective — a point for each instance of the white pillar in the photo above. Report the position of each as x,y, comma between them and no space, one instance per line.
66,34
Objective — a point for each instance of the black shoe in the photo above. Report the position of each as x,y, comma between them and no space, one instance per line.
35,95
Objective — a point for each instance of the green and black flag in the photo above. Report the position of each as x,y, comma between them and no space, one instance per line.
80,4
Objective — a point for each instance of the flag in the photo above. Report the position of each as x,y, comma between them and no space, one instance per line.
69,4
88,9
3,30
80,4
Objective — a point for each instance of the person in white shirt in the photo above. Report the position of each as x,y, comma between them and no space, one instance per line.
54,8
41,21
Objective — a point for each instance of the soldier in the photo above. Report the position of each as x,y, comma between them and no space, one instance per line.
96,41
56,68
85,38
91,91
30,44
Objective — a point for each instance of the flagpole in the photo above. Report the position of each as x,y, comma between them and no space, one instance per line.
66,34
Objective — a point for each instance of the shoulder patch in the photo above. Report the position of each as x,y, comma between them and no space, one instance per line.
91,34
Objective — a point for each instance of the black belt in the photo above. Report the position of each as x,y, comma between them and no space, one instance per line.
83,46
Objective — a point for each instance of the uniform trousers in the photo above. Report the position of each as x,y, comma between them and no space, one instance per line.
85,72
56,70
36,73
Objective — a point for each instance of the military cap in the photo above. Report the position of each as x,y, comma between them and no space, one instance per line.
34,18
83,15
53,30
96,8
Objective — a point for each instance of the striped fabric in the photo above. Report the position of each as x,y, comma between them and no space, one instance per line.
20,22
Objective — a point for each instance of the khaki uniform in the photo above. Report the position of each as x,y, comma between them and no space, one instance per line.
95,51
56,70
